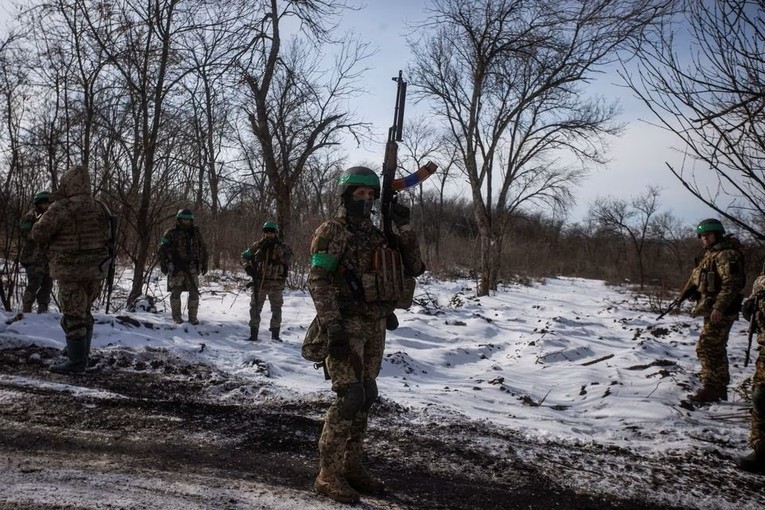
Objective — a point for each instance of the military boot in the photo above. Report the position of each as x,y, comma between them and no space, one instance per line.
334,486
754,462
253,336
275,334
75,350
175,308
26,308
708,394
193,314
361,480
42,307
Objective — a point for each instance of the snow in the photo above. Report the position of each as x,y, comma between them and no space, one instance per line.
564,360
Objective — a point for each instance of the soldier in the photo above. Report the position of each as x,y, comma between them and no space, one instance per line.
182,256
267,262
719,281
34,260
754,310
348,279
76,231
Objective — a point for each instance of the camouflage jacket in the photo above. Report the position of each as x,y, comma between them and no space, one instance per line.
268,258
184,248
720,279
342,257
31,254
75,230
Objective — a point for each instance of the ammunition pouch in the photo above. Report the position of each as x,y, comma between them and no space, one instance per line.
386,280
314,346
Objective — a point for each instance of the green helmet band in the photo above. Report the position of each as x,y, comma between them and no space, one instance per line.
42,196
271,225
371,181
710,225
184,214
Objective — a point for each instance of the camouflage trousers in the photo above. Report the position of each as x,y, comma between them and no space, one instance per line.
757,433
712,352
354,381
186,281
39,287
76,299
273,290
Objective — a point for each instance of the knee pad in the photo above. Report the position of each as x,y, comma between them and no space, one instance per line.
350,400
758,399
370,394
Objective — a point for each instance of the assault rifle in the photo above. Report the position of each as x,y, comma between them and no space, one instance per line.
752,328
390,185
688,291
112,245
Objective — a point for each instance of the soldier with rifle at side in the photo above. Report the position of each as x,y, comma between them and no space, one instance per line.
267,263
716,284
34,260
182,257
753,310
76,232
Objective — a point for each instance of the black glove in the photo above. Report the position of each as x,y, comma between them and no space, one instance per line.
337,342
249,270
747,309
400,214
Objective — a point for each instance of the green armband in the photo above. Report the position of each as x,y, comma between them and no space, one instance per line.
324,261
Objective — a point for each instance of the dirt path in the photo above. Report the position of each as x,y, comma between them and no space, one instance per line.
158,437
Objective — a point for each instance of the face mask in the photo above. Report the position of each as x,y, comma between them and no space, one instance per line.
359,208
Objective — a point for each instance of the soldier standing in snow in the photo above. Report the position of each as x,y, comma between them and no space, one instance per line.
76,231
267,262
719,281
34,260
754,310
348,281
182,257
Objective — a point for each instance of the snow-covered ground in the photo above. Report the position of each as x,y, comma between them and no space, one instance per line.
563,361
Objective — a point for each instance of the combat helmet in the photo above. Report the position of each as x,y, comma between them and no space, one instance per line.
184,214
41,196
270,226
358,176
710,225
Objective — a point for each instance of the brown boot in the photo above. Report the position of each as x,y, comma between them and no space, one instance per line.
708,394
361,480
335,487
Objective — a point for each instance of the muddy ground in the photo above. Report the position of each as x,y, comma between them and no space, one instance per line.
157,434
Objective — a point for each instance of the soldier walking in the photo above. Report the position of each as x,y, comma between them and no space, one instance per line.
719,281
76,231
34,259
348,279
267,262
182,257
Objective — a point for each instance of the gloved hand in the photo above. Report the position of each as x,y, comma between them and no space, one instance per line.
747,309
400,214
337,342
249,270
203,269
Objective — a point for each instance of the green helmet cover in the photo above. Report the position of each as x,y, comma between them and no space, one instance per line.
184,214
710,225
42,196
358,176
271,225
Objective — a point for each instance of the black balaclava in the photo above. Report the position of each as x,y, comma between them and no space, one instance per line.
360,209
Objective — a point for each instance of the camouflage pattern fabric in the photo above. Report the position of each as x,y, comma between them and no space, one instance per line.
75,229
31,253
342,252
267,261
757,433
273,290
76,299
39,287
184,281
182,249
711,350
720,279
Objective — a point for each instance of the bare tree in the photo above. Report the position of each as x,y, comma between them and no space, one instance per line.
703,77
633,219
507,77
297,107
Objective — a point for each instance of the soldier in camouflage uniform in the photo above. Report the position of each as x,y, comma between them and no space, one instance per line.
267,262
76,231
182,257
754,310
34,260
719,282
348,285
